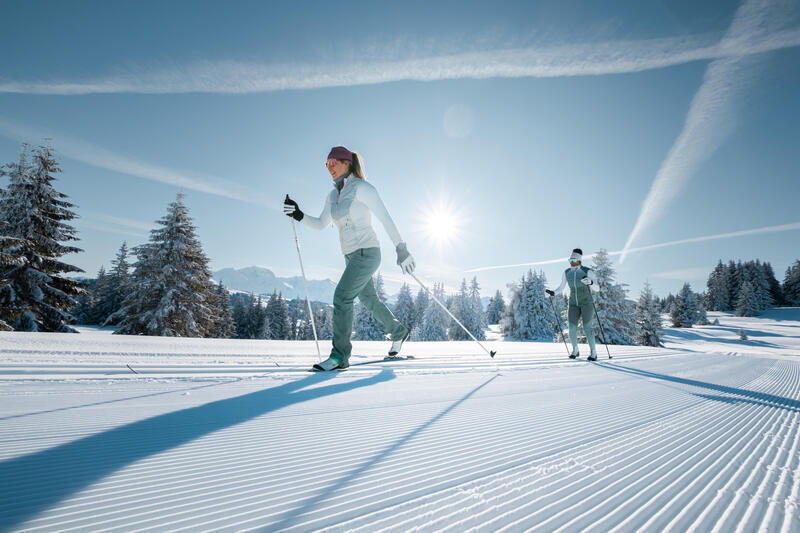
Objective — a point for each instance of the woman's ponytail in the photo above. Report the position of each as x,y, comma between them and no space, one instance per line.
357,167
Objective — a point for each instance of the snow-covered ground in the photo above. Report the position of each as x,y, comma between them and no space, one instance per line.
217,435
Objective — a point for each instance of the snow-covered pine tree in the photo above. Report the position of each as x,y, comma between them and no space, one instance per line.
791,284
278,317
240,317
748,303
171,286
718,293
648,319
684,311
496,308
420,305
404,307
365,326
119,281
528,315
433,326
774,286
10,256
104,294
734,270
224,327
461,309
324,322
259,316
613,307
702,316
479,324
36,294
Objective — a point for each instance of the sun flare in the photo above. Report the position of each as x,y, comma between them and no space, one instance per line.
441,224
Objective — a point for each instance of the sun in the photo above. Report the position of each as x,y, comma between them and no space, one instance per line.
441,224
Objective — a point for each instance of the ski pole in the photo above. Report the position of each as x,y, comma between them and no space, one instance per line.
601,324
558,324
446,310
305,286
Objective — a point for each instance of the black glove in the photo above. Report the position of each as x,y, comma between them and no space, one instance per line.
291,209
551,293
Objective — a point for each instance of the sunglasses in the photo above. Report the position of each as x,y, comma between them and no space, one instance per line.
330,162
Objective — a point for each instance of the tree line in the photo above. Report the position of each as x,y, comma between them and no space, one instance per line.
168,290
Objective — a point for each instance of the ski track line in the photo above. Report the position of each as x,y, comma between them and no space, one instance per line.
306,524
638,470
650,501
705,508
753,443
555,464
732,514
398,431
757,500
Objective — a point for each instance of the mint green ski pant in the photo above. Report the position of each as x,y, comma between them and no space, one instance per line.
356,280
586,312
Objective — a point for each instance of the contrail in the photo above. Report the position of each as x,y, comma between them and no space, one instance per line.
80,150
589,59
743,233
710,119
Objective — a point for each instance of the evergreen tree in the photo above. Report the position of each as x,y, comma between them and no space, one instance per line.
10,256
477,325
461,309
718,292
259,318
775,291
119,281
324,321
748,303
496,308
366,327
685,311
240,317
791,285
104,294
224,327
404,307
613,307
35,296
420,305
433,326
733,277
171,284
648,319
278,317
702,316
528,315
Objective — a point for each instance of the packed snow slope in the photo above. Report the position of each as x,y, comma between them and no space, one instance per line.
214,435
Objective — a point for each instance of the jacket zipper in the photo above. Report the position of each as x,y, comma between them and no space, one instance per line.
338,196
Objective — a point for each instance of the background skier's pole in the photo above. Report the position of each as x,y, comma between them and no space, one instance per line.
601,325
305,286
446,310
558,324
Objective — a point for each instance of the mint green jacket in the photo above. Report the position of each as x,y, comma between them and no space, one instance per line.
579,294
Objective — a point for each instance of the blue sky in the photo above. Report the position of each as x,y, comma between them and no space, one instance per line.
535,127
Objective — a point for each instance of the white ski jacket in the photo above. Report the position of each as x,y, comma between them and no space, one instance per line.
351,209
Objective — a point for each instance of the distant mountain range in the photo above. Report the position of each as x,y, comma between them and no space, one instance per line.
263,281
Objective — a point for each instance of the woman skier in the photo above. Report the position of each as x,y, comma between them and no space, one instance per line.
350,205
582,282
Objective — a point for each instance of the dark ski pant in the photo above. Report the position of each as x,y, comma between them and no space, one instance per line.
586,312
356,281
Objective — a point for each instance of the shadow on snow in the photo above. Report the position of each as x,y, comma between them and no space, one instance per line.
33,483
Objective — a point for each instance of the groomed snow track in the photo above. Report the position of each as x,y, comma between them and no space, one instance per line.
653,440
